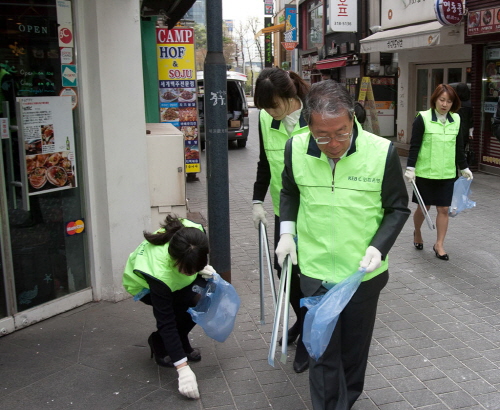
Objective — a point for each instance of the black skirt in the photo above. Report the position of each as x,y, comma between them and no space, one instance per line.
438,192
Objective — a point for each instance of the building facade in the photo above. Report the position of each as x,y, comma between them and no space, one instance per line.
483,35
74,194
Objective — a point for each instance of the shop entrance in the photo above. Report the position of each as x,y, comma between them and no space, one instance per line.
430,76
42,239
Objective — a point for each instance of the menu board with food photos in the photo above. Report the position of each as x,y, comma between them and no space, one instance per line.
48,138
177,88
485,21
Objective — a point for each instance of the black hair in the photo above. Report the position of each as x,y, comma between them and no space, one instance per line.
274,83
188,246
463,91
359,112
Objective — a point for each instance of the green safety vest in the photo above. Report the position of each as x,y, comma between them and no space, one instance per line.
275,136
436,158
338,219
155,261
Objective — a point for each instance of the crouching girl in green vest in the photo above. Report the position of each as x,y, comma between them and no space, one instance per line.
161,272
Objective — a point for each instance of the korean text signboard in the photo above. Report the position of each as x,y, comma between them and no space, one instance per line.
49,143
449,12
344,15
483,21
268,44
177,88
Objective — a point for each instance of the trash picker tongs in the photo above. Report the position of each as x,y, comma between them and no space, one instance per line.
422,205
283,298
264,248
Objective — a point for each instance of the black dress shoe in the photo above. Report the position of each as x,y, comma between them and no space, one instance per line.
160,353
444,257
194,356
300,367
417,245
301,361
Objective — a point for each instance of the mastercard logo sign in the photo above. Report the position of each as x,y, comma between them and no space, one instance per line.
74,227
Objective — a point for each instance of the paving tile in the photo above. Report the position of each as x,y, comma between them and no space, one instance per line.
292,402
458,400
239,388
477,387
385,395
406,384
252,401
421,398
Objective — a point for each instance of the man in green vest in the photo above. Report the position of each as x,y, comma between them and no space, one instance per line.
345,200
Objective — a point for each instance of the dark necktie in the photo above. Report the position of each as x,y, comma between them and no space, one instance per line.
335,160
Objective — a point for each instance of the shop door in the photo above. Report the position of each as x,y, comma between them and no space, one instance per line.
43,262
430,76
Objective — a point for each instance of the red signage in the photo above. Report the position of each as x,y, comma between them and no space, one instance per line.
65,35
449,12
289,45
483,21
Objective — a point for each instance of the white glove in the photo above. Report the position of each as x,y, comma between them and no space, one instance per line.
466,173
372,259
410,174
187,383
207,272
259,214
286,246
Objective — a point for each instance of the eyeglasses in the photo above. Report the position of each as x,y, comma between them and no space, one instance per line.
337,137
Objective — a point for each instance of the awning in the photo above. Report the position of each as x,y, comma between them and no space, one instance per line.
173,9
331,63
392,41
271,29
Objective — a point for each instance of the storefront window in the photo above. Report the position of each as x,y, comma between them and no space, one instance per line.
315,24
41,157
491,93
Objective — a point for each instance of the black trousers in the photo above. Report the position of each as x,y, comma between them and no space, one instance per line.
172,319
295,292
337,378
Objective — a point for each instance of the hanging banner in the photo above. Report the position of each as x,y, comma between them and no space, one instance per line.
290,23
344,16
177,88
49,143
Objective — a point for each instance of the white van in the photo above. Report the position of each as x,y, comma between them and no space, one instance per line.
237,108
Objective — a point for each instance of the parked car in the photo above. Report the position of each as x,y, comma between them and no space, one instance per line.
237,108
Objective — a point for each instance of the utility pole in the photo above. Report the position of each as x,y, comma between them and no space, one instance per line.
216,144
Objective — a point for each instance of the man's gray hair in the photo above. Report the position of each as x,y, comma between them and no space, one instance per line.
329,99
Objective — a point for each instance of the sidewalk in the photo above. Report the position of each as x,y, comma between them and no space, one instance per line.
436,344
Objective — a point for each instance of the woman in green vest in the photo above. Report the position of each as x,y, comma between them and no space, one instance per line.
161,272
436,148
279,94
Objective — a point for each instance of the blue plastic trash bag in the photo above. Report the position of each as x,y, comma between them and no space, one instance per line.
324,312
460,201
216,310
